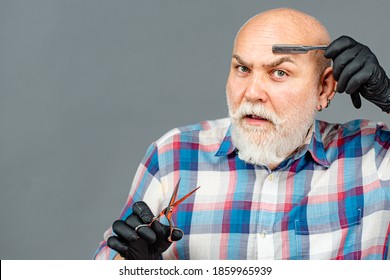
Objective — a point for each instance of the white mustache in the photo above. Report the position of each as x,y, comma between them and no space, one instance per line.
247,108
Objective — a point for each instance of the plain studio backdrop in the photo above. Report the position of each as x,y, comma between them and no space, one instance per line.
87,85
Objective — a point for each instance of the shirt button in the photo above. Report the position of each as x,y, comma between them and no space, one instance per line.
271,177
263,234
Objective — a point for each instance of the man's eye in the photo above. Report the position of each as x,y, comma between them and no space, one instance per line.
279,73
243,69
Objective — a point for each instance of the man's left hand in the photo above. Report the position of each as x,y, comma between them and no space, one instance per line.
357,71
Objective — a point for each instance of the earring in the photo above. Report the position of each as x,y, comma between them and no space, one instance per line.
319,110
328,102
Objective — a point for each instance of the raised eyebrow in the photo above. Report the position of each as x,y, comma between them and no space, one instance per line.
240,60
273,64
280,60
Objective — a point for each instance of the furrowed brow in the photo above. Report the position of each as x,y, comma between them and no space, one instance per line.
280,61
273,64
240,60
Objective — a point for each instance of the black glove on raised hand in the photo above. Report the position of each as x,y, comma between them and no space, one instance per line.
147,243
357,70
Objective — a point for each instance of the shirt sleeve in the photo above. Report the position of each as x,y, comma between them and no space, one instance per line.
146,186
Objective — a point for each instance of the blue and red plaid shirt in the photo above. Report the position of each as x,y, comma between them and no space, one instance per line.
329,200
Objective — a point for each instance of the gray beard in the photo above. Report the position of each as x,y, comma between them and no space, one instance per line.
267,148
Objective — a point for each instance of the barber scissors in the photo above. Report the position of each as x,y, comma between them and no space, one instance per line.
167,212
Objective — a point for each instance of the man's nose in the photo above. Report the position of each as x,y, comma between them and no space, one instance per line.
256,89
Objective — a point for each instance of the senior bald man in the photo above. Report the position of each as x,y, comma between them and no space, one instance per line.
275,182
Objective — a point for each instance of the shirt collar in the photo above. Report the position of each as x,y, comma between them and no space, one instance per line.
315,146
227,146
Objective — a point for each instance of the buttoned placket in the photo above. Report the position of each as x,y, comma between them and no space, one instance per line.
264,237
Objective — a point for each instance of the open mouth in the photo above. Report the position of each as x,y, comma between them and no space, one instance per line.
255,120
255,117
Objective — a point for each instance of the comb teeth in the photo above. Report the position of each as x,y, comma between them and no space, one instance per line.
280,48
289,49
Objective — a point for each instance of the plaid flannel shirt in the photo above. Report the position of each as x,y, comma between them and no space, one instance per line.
329,200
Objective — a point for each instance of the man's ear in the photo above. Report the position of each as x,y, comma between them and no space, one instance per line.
327,88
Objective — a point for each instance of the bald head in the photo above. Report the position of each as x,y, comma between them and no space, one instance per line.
286,26
296,27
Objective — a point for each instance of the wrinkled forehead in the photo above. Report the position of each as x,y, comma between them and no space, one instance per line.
277,32
255,41
259,52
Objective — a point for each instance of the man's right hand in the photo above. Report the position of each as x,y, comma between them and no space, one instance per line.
147,243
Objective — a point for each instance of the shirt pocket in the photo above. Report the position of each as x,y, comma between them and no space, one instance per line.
332,236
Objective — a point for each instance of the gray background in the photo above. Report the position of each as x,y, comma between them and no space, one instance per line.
86,86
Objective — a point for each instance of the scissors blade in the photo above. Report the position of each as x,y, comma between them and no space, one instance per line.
174,195
172,203
185,197
167,211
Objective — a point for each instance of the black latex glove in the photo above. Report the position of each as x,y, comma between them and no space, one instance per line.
357,70
148,242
